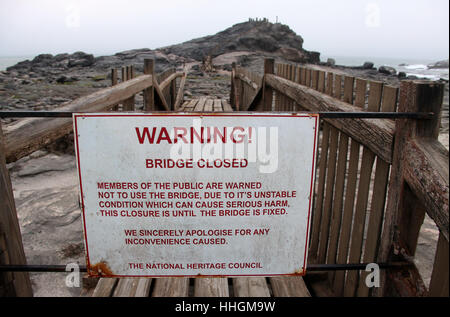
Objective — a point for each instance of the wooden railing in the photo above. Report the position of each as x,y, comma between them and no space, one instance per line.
376,178
159,92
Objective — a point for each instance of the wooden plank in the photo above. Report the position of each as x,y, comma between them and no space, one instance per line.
338,201
226,106
375,91
38,132
314,79
171,287
189,105
328,200
427,173
321,81
250,287
363,194
377,135
360,92
217,105
200,105
413,96
289,286
359,220
348,89
439,278
114,81
303,76
126,287
375,221
318,202
211,287
308,77
388,104
149,93
269,64
209,105
180,94
330,83
143,287
344,238
105,287
11,246
337,89
159,96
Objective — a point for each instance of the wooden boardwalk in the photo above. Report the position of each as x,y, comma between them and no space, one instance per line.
289,286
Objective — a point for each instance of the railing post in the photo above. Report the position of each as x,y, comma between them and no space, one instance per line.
232,95
113,83
173,92
149,93
11,247
269,68
397,238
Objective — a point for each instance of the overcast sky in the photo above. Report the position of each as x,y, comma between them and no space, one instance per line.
411,29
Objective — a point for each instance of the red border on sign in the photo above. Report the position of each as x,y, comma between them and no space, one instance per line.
301,272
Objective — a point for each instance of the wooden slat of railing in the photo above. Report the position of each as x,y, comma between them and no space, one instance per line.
37,133
360,92
308,77
303,76
317,217
321,81
328,197
330,82
368,158
344,238
277,93
338,200
348,89
439,278
250,287
314,79
375,134
374,228
337,89
113,83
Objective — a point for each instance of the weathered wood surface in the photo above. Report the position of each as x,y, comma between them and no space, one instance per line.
412,139
11,247
377,135
36,133
180,93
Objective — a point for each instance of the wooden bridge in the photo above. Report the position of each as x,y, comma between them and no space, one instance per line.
376,179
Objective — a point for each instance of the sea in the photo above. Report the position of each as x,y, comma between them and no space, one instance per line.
415,67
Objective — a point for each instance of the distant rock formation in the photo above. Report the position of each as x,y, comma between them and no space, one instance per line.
255,36
440,64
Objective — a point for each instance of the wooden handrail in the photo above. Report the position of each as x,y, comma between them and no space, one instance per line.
377,135
37,133
426,172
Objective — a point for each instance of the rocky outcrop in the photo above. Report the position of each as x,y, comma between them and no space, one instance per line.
60,62
255,36
440,64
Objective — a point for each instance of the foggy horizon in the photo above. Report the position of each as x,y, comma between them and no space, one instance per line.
354,28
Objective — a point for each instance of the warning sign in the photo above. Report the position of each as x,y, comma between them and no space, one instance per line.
184,194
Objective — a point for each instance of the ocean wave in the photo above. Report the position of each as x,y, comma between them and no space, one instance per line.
416,66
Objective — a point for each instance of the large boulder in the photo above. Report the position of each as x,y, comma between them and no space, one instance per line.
440,64
367,65
387,70
81,59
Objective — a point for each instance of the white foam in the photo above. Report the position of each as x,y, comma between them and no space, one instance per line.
416,66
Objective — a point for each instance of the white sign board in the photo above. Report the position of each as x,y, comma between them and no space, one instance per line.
183,194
